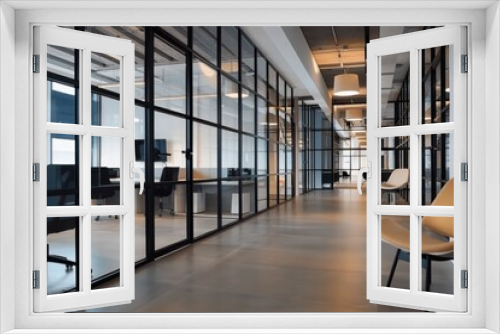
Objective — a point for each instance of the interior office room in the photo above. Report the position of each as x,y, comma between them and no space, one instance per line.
229,72
215,174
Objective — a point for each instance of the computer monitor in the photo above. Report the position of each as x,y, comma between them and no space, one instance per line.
160,151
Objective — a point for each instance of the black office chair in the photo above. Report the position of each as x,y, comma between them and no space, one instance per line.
166,186
101,185
62,190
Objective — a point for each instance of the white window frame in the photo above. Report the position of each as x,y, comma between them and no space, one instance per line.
413,44
86,44
16,239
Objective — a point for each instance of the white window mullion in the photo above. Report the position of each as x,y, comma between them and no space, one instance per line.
108,131
392,131
433,128
415,258
86,253
128,158
392,210
85,183
67,129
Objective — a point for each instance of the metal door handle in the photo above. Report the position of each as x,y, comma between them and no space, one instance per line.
139,171
360,176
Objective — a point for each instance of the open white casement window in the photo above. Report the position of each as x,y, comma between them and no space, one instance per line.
417,150
83,171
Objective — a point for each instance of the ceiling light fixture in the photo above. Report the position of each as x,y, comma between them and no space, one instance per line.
344,84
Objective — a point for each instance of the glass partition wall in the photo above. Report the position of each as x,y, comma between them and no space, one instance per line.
214,126
318,166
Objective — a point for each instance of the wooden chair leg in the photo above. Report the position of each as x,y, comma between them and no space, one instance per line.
428,274
393,268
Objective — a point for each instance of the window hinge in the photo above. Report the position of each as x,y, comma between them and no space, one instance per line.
36,172
464,173
465,64
36,63
465,279
36,279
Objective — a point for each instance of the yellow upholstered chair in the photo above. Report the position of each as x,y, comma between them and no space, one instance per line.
397,180
437,236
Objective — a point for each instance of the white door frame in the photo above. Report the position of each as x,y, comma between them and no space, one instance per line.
474,18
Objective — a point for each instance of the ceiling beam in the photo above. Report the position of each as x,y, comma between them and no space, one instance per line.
287,49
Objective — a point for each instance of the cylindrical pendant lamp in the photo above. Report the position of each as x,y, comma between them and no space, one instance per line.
346,85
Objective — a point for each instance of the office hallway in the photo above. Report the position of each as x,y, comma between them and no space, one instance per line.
307,255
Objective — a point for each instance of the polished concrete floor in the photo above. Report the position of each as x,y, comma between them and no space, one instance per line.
308,255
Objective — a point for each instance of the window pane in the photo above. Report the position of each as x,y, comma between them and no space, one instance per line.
136,35
106,71
204,151
261,193
205,42
170,77
437,238
248,112
205,204
105,170
273,124
229,52
62,269
105,247
63,187
262,118
289,186
272,87
247,63
262,156
204,91
229,103
437,166
289,162
170,142
436,107
230,201
61,61
178,32
395,173
248,155
395,252
282,157
281,126
62,103
395,90
230,152
273,158
273,190
247,197
62,98
261,75
289,134
170,208
105,111
281,93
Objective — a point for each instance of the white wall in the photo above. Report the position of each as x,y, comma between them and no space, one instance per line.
492,144
7,167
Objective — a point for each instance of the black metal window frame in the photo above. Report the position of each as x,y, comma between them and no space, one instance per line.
150,108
